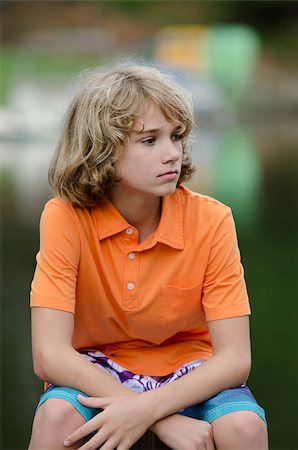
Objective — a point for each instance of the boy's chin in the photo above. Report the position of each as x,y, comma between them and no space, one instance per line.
168,190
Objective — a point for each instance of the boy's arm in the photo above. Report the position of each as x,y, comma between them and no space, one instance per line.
56,361
227,368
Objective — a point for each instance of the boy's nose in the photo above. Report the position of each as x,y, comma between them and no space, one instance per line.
171,152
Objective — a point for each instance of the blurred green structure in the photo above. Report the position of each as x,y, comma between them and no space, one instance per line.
18,65
232,56
238,177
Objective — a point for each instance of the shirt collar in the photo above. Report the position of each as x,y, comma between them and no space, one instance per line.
169,231
109,220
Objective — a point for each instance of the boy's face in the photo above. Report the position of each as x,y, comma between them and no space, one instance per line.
151,161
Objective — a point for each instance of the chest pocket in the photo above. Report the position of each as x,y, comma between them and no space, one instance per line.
181,308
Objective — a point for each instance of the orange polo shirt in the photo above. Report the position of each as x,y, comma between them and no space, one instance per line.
145,305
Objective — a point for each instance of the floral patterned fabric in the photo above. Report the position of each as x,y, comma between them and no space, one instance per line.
138,383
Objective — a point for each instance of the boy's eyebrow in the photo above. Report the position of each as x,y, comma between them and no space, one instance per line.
154,130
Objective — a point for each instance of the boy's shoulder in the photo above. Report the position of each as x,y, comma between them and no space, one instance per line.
196,200
58,208
58,201
201,211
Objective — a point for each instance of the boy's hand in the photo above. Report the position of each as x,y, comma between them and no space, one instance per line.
184,433
121,423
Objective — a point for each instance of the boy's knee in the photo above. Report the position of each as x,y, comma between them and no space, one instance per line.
56,411
244,427
247,425
54,414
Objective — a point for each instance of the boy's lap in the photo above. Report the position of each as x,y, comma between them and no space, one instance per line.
225,402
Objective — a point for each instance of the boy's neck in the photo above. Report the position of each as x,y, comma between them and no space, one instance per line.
141,212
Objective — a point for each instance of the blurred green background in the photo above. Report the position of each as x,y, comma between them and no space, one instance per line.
239,59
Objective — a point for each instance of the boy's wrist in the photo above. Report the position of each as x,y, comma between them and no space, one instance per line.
149,405
161,427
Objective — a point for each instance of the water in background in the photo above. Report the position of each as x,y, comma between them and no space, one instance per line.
251,165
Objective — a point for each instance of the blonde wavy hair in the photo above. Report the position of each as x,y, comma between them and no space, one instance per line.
98,123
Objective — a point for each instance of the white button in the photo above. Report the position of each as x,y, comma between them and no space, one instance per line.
131,255
130,286
129,231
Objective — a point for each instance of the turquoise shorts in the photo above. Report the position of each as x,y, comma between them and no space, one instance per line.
230,400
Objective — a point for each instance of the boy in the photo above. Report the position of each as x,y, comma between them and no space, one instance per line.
139,306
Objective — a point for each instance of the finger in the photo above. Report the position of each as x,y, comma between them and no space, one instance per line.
101,441
94,402
210,444
83,431
109,444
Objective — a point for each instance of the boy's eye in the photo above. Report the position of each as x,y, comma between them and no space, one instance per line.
149,141
177,136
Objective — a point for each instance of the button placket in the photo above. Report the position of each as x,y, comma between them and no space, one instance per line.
130,284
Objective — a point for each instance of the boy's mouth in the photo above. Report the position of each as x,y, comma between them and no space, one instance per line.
169,172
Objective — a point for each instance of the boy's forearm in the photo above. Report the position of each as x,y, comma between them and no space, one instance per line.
68,368
228,367
215,375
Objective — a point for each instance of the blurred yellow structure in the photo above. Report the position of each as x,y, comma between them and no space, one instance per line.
182,47
226,53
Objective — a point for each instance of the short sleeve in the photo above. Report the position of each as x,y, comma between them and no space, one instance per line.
55,278
224,291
